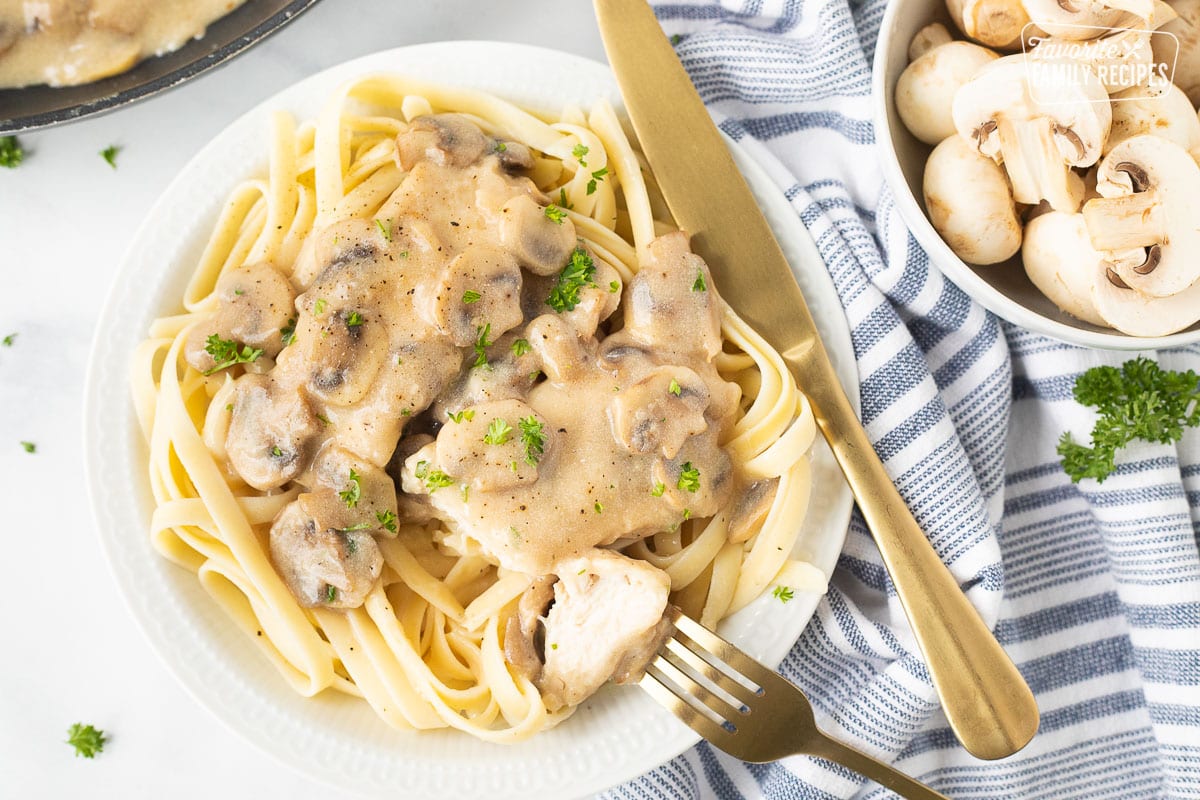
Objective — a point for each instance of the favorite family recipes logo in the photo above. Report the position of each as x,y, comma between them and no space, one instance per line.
1140,62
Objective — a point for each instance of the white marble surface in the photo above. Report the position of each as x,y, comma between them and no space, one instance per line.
70,652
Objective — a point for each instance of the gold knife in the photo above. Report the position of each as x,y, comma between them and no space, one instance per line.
988,704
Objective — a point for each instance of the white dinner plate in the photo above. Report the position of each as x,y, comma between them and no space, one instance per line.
617,734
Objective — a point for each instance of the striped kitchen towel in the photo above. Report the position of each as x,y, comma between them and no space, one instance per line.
1094,589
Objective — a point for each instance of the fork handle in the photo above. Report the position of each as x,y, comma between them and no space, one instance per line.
822,746
986,701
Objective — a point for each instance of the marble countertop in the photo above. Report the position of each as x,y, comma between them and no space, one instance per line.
71,652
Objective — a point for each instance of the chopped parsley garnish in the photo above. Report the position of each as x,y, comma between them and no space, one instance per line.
520,347
352,544
471,296
319,306
501,147
387,520
405,412
225,353
86,740
1140,400
353,493
288,332
659,488
687,514
498,432
330,593
614,287
354,319
324,419
689,478
362,526
562,199
11,153
458,416
482,343
29,447
599,507
276,452
7,341
555,214
675,388
110,155
580,271
466,491
676,39
385,228
699,285
597,177
579,151
434,479
783,593
533,439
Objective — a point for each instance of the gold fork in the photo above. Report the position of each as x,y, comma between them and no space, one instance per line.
747,710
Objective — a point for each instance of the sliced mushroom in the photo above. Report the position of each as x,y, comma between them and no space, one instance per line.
1138,314
751,509
513,156
480,289
1150,188
445,139
660,412
970,203
1060,260
605,607
1167,113
271,432
1084,19
349,492
995,23
254,306
1038,126
557,346
542,244
488,452
669,294
339,347
925,90
323,567
525,631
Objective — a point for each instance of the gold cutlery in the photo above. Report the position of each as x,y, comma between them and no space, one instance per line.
985,699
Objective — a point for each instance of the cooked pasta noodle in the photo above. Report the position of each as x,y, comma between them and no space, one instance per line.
426,648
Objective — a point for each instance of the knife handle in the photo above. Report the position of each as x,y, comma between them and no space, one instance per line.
987,702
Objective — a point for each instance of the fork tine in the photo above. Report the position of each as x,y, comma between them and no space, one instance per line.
707,641
655,684
736,689
698,691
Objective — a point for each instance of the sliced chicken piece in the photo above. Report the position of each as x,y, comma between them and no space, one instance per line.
606,607
541,243
323,567
445,139
255,304
271,433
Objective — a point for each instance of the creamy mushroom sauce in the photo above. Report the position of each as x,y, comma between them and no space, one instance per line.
69,42
427,353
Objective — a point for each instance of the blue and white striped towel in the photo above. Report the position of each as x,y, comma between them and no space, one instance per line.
1094,589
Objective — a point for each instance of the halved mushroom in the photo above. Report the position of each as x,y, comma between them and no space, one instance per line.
556,344
1138,314
995,23
271,432
670,294
349,492
1167,113
488,451
446,139
925,90
254,305
1017,113
339,347
970,203
1179,53
660,411
1150,187
1060,260
542,244
480,288
323,567
1084,19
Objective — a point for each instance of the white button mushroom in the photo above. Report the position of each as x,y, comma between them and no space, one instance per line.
1084,19
1059,259
1121,59
1038,133
1183,58
1167,114
1149,190
995,23
925,90
970,204
1137,314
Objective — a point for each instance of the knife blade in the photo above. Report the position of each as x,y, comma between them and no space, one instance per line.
986,701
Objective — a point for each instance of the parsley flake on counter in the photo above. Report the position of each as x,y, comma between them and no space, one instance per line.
533,438
675,388
225,353
783,593
434,479
471,296
458,416
659,488
482,343
86,740
354,319
699,285
109,154
498,432
11,153
689,478
579,151
520,347
7,341
385,229
288,332
580,271
555,214
597,177
387,520
1140,400
29,447
351,495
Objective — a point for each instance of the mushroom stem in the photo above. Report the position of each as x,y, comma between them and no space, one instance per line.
1132,220
1034,165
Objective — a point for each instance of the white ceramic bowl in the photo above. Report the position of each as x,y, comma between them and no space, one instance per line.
1004,288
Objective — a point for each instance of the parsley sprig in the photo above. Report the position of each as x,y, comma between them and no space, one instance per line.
225,353
533,438
434,479
498,432
86,739
11,153
555,214
579,272
689,478
482,343
353,492
1140,400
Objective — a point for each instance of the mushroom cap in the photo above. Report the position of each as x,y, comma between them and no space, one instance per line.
1120,59
1081,19
1138,314
1164,181
1184,58
970,203
925,90
1167,113
1060,260
995,23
